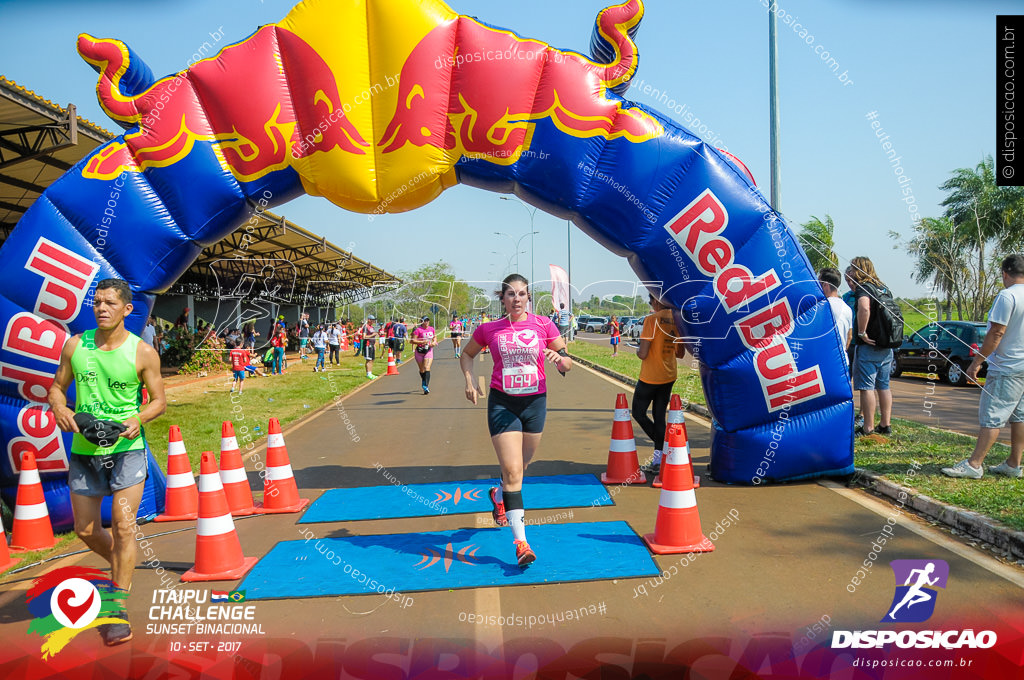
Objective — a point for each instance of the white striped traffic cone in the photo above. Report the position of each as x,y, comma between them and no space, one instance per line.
32,529
623,462
677,528
232,473
219,554
280,493
392,368
676,417
181,501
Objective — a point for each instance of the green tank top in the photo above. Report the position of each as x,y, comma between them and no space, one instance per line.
107,385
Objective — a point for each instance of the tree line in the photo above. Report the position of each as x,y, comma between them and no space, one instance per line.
958,253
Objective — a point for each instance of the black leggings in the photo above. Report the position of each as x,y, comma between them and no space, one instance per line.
644,394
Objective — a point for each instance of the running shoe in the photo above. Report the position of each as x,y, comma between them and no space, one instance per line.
524,555
498,513
964,469
884,429
1005,469
426,390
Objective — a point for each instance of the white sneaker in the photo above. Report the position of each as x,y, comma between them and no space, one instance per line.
1004,469
964,469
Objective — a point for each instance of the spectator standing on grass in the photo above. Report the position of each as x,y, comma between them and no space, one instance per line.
278,342
1002,396
830,280
239,358
657,352
334,344
149,332
616,335
871,364
369,334
303,335
320,347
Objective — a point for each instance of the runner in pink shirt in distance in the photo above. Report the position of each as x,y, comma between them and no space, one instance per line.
517,402
425,339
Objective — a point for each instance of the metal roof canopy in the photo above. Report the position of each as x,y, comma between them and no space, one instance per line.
271,258
40,141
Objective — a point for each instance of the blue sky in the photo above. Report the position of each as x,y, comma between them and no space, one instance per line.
925,66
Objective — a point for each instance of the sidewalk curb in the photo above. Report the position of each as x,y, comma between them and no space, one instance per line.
687,406
971,523
968,522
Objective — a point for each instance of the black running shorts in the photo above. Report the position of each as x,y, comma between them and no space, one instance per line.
507,413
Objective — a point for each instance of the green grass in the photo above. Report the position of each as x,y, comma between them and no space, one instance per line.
687,385
200,409
994,496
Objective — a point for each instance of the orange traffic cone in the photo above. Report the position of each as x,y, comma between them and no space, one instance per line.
677,528
181,502
232,473
32,529
392,368
623,463
6,561
218,553
280,494
675,417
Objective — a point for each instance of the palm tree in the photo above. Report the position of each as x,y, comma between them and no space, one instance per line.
816,238
990,216
943,257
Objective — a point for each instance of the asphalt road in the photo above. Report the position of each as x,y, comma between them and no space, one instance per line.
786,563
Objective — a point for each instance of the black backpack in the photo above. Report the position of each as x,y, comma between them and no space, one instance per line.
885,326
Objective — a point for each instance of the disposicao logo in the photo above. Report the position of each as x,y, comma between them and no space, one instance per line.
70,600
917,584
914,601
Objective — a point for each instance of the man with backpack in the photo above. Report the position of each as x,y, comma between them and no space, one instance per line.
879,328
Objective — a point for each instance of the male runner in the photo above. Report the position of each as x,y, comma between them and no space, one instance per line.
109,367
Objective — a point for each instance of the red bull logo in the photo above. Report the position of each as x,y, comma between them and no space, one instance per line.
260,113
479,115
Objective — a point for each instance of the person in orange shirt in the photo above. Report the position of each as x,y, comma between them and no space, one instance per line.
658,352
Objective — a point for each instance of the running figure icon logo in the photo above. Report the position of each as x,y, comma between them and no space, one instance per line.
914,601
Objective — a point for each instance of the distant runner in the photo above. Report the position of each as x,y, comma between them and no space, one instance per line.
369,339
425,339
456,329
517,403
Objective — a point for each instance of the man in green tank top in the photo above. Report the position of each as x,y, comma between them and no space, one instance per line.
109,367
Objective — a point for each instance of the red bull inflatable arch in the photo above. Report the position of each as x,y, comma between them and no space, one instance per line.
380,105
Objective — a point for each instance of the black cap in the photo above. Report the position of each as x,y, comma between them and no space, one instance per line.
100,432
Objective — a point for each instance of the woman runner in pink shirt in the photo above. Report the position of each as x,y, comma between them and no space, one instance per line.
517,403
425,339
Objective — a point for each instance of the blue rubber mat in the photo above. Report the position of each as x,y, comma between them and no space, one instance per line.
465,558
451,498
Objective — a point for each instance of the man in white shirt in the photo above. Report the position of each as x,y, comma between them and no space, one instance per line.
830,280
149,332
1002,395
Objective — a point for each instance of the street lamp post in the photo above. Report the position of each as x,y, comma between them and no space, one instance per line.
533,214
517,251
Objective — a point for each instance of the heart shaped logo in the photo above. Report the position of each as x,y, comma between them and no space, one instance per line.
75,603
